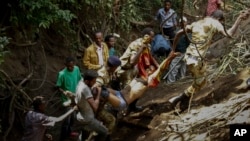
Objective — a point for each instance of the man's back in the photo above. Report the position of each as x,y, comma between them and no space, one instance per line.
202,33
183,43
160,46
132,49
83,92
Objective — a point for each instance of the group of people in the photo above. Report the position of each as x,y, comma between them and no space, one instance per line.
169,25
163,42
112,84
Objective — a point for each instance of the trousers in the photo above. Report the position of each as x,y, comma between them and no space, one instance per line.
197,67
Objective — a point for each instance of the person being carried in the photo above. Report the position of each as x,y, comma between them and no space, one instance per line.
130,58
202,34
36,121
106,75
136,88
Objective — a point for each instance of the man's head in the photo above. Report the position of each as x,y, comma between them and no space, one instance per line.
98,38
148,34
70,63
90,77
110,40
39,104
113,63
167,4
218,14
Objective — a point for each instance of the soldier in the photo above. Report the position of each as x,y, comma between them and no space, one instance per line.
202,34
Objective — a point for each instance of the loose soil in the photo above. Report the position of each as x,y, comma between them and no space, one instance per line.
45,62
156,107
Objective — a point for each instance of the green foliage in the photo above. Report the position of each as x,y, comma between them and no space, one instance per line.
41,13
4,41
176,5
109,16
129,13
73,20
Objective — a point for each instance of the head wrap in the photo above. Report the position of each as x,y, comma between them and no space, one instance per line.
114,61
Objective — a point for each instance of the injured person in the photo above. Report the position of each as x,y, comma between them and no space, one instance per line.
136,88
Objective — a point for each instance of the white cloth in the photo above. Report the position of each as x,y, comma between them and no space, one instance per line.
100,56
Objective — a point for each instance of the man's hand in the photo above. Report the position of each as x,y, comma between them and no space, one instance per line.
177,53
95,92
51,123
173,54
49,137
101,66
244,14
69,94
75,108
104,92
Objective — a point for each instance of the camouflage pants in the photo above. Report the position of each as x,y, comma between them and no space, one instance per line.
107,118
197,67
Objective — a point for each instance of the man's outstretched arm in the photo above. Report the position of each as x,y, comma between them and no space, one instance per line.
53,120
243,16
176,39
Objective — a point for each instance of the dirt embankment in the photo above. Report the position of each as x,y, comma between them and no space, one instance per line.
219,104
45,62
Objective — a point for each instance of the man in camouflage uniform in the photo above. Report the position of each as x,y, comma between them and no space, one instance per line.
105,76
202,34
128,69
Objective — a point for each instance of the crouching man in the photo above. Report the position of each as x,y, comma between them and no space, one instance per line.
36,121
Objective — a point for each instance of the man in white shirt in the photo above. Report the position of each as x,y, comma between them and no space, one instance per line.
96,55
88,105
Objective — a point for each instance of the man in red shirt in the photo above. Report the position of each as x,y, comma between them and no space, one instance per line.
213,5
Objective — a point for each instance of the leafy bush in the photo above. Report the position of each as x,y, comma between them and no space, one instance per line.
41,13
4,41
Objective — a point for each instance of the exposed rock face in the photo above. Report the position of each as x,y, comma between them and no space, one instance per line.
224,102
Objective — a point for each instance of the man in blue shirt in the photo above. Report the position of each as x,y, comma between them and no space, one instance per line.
167,18
160,46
